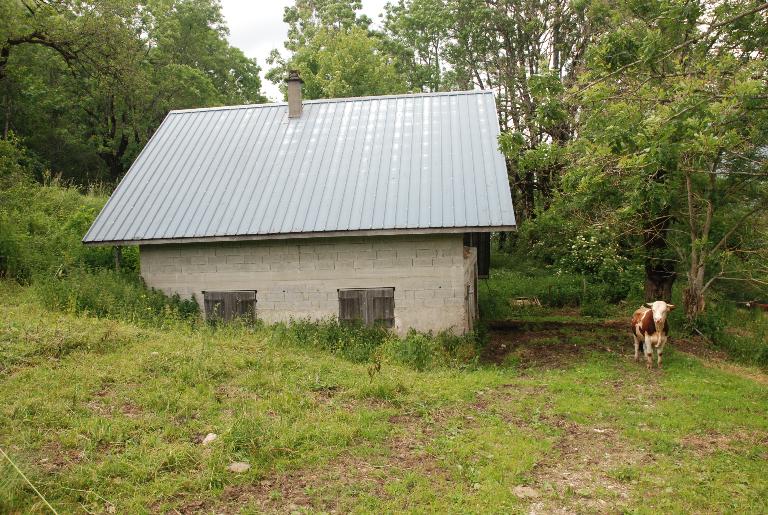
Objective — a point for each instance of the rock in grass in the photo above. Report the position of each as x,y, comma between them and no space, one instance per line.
238,467
210,437
525,492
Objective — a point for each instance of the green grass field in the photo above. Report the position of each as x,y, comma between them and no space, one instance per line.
107,417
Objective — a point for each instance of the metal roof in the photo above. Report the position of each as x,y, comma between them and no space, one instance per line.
402,163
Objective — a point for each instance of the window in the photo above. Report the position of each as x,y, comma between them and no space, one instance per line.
369,306
229,305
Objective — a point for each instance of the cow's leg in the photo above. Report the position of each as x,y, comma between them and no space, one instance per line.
660,349
636,341
648,352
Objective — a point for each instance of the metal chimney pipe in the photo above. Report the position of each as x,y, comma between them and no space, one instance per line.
294,83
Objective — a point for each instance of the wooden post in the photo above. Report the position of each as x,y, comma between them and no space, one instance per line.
118,253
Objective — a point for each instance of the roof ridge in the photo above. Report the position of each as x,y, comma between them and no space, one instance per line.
337,100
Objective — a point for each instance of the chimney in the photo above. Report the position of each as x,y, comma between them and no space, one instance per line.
294,94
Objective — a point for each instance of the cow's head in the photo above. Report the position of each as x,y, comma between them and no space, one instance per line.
660,310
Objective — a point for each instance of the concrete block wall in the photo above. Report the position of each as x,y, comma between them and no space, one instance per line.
301,278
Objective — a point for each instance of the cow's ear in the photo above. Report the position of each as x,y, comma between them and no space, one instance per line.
649,304
671,306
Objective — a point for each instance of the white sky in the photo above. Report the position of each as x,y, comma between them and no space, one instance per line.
256,27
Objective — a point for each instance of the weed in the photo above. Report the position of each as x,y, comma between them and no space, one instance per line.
109,294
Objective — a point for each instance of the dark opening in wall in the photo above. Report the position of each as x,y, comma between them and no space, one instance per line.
482,242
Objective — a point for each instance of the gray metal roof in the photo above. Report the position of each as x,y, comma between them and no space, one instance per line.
405,163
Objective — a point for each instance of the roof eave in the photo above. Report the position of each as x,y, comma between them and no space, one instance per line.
305,235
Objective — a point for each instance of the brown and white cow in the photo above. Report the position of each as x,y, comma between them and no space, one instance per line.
649,326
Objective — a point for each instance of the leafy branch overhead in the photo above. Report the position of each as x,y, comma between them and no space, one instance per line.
87,83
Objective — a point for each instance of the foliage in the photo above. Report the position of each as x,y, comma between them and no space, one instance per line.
679,138
105,293
335,52
743,334
15,166
425,351
87,83
354,342
361,344
417,33
341,63
41,228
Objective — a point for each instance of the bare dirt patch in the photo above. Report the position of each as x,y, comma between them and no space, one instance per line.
708,443
590,471
698,347
321,488
131,410
552,347
56,458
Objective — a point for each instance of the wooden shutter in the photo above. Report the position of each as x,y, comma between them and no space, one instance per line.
243,304
352,305
381,307
370,306
229,305
214,305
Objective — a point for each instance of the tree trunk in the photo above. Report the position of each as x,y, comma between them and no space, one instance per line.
118,253
660,267
7,117
693,294
658,282
693,301
527,187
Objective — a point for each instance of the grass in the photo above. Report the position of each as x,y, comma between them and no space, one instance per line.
105,415
560,295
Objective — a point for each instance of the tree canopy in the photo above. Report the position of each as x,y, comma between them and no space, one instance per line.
85,84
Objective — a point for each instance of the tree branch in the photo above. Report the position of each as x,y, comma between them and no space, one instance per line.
695,39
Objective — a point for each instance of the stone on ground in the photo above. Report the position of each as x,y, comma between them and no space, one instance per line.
238,467
525,492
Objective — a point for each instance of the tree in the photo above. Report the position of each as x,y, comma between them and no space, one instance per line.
417,33
342,63
89,104
673,115
335,52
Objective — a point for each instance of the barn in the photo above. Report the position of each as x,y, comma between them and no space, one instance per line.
376,209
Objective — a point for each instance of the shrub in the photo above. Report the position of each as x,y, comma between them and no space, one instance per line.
594,303
41,228
416,350
360,344
106,293
742,334
354,342
424,351
568,293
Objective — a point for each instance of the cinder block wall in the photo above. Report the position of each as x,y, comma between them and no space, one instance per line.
300,278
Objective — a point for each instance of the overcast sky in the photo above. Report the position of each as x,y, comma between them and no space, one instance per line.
256,27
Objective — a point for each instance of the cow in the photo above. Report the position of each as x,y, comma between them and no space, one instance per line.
756,305
649,327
